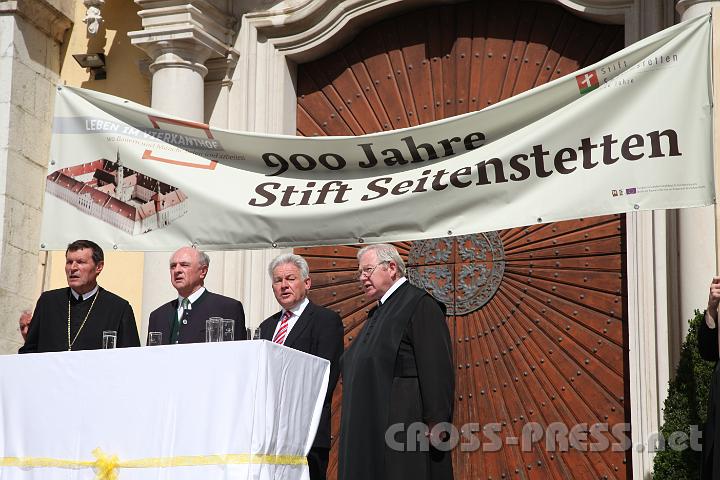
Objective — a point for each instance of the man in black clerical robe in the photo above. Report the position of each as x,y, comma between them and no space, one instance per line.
708,347
182,320
74,318
397,371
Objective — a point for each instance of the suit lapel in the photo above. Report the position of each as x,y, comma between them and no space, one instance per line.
194,330
172,314
267,334
299,326
201,298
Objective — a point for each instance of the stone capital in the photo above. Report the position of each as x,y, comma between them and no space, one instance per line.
220,69
45,15
692,8
183,33
180,52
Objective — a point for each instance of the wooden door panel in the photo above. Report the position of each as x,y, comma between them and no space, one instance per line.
590,264
519,47
538,324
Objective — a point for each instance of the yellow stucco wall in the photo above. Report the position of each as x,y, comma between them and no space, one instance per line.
123,272
124,62
122,275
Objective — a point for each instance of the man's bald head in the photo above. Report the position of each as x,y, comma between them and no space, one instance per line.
188,268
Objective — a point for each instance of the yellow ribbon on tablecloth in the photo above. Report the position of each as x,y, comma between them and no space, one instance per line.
106,466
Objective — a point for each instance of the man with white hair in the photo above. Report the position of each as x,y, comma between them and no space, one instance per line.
397,372
182,320
310,328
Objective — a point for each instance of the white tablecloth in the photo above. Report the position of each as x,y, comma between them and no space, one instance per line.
251,397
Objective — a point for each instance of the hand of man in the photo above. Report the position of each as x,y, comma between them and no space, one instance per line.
24,323
714,298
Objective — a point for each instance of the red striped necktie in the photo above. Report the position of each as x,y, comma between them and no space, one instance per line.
282,331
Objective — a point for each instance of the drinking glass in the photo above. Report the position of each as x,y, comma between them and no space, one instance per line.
213,329
228,330
109,339
154,339
256,335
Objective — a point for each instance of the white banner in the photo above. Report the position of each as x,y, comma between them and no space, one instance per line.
632,132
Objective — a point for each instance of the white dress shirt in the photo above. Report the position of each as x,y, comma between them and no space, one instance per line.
296,311
394,287
193,296
85,296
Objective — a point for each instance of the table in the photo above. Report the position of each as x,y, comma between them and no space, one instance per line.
234,410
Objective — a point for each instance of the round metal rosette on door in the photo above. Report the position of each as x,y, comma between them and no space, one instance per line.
462,272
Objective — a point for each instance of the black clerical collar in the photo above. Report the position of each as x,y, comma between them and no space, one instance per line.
84,296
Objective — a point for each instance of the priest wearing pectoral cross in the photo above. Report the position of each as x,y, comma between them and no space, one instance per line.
397,374
75,317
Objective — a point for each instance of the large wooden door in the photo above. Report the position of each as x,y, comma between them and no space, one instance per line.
537,314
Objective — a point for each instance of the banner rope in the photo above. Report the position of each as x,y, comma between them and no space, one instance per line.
106,466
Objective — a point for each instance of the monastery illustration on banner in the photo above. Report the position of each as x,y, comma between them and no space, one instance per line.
129,200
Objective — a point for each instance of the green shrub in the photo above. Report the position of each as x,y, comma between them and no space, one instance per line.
685,405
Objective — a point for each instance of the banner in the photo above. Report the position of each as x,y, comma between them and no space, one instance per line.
632,132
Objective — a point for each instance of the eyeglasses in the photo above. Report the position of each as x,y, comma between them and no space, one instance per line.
367,271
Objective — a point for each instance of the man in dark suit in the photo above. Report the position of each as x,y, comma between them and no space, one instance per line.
310,328
75,317
397,371
708,347
183,320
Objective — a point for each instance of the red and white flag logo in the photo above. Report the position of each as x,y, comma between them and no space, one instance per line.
587,82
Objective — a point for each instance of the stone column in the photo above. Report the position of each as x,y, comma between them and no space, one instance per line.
31,36
696,226
190,42
688,9
180,36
